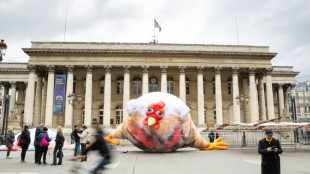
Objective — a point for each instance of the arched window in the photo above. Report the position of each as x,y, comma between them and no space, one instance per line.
153,86
102,85
213,82
120,85
187,85
74,84
119,114
170,85
101,114
137,85
229,85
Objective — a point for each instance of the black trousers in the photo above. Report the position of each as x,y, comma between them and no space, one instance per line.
84,151
57,149
24,150
37,153
43,151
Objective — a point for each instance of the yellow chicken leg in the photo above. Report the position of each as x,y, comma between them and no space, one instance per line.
215,145
109,139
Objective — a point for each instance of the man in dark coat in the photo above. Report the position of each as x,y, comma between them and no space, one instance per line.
25,136
270,149
37,144
77,140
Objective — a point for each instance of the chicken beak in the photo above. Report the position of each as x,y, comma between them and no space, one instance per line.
151,121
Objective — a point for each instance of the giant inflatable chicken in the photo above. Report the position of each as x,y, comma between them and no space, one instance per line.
160,122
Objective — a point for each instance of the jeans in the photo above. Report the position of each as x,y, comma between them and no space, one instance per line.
101,164
9,150
77,148
84,151
58,148
37,154
24,150
43,151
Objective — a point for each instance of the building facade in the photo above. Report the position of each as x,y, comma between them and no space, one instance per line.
302,101
220,83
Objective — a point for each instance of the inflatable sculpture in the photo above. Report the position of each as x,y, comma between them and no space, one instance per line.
160,122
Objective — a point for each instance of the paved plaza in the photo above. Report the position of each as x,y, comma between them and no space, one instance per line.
183,161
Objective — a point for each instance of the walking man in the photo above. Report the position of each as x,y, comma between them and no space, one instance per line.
270,149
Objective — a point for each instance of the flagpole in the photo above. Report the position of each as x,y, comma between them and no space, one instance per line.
154,31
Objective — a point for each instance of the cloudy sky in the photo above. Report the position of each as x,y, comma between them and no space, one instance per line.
284,25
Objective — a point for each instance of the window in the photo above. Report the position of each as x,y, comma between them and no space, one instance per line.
74,85
205,115
83,115
101,114
102,85
153,86
170,85
120,85
137,85
119,114
229,86
204,86
298,109
187,85
213,85
305,110
214,116
84,85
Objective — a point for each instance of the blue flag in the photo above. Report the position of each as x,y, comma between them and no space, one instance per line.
156,25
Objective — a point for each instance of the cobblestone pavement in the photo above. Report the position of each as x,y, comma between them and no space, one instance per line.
183,161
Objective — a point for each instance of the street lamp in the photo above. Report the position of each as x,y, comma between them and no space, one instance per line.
71,98
242,99
3,48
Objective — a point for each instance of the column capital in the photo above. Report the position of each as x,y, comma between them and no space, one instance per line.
26,83
182,69
235,70
89,68
32,68
126,68
217,69
51,68
108,68
13,84
280,85
268,71
200,69
70,68
163,69
261,74
145,68
252,71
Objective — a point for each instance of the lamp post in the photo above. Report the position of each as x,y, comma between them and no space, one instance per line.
3,48
243,99
71,98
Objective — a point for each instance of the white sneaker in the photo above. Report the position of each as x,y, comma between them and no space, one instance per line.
8,157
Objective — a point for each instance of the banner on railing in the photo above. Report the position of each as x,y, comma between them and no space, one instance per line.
59,94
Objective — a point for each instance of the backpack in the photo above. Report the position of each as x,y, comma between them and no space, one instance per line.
72,136
44,142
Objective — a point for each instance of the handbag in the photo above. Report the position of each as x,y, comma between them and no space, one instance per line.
44,143
58,154
19,141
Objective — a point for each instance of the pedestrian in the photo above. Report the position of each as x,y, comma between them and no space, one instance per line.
44,143
84,140
37,143
100,145
211,137
24,142
270,149
59,142
9,142
76,139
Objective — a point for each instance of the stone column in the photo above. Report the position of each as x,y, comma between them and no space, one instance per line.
29,101
218,96
182,89
69,108
163,78
200,97
270,104
5,92
285,98
50,96
253,96
126,95
107,97
281,99
145,80
44,93
245,105
235,81
88,94
13,96
38,102
262,105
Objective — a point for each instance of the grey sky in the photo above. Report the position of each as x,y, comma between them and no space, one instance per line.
284,25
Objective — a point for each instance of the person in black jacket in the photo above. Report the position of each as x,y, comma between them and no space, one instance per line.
37,143
270,149
100,145
77,140
25,136
59,142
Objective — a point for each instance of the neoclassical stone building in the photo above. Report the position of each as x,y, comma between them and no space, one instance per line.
210,79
